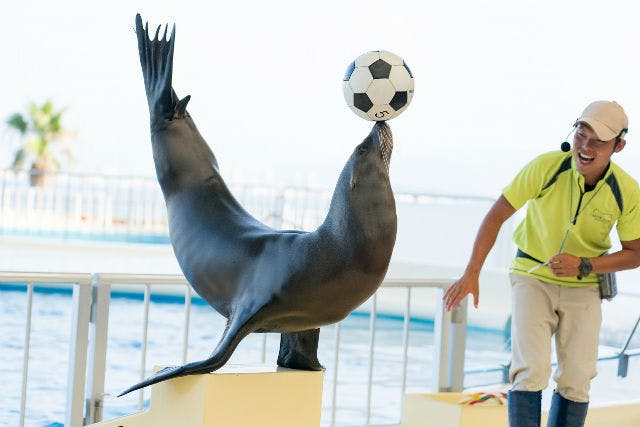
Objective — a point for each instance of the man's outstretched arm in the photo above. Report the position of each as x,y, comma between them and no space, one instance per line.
485,239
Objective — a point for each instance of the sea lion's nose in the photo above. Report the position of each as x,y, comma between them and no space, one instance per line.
381,124
381,134
382,131
379,128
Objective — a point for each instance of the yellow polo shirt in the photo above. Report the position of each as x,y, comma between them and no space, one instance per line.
554,190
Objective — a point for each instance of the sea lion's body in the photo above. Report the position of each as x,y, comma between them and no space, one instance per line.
261,279
235,262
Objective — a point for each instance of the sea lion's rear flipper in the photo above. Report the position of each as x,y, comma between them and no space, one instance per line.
299,350
235,331
156,59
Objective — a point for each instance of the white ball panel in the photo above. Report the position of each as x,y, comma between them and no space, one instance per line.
381,91
348,93
360,113
367,59
400,78
391,58
381,112
360,79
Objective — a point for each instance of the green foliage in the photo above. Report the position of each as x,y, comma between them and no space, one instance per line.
42,137
17,122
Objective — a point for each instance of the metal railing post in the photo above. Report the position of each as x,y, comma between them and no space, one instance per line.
27,348
372,343
623,361
449,346
336,360
81,304
2,197
144,340
405,344
99,326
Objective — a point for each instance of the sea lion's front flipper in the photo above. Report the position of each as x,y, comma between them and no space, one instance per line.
237,329
299,350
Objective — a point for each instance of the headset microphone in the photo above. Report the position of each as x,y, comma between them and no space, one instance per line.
565,146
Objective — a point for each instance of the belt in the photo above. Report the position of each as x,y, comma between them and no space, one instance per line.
522,254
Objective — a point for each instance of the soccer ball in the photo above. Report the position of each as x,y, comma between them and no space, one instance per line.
378,85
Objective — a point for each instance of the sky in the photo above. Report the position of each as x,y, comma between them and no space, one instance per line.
496,82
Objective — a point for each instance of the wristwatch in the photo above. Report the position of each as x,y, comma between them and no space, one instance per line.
584,268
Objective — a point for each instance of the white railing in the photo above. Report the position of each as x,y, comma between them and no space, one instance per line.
81,203
78,346
121,206
75,204
90,323
89,326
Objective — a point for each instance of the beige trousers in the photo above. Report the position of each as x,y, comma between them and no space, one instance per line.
540,310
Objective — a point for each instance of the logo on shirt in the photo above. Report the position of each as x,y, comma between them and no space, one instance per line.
600,216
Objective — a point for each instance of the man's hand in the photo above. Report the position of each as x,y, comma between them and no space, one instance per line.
460,289
489,229
565,265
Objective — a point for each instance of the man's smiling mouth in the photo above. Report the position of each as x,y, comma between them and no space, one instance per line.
584,158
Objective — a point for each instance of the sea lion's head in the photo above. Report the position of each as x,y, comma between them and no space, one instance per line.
372,157
364,185
372,210
363,210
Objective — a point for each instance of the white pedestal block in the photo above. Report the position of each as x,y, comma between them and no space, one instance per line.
443,410
251,396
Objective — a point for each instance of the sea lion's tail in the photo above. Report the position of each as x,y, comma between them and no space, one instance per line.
237,329
156,59
194,368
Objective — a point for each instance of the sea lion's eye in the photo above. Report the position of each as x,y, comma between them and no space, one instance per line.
362,150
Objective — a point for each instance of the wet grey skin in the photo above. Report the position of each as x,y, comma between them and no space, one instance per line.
261,279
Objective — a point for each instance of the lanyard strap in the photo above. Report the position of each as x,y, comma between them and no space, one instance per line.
579,210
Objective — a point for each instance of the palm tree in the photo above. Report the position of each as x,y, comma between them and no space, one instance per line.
43,141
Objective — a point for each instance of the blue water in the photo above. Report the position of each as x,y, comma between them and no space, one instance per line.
155,239
46,388
48,360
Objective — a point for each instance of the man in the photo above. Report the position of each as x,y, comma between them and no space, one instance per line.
574,199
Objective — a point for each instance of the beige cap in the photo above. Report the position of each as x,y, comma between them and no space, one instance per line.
606,118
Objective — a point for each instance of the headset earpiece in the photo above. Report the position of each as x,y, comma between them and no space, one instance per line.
621,135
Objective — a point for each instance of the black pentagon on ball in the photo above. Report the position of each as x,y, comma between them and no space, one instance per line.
399,100
350,69
380,69
362,102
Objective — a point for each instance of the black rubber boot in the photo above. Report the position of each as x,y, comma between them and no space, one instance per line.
566,413
524,408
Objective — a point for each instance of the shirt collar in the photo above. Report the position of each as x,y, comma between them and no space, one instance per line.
577,176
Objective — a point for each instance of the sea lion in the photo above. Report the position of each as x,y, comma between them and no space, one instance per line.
261,279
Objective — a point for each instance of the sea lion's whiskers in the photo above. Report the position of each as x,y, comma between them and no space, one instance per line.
385,139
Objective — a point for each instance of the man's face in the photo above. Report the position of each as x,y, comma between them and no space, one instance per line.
591,154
